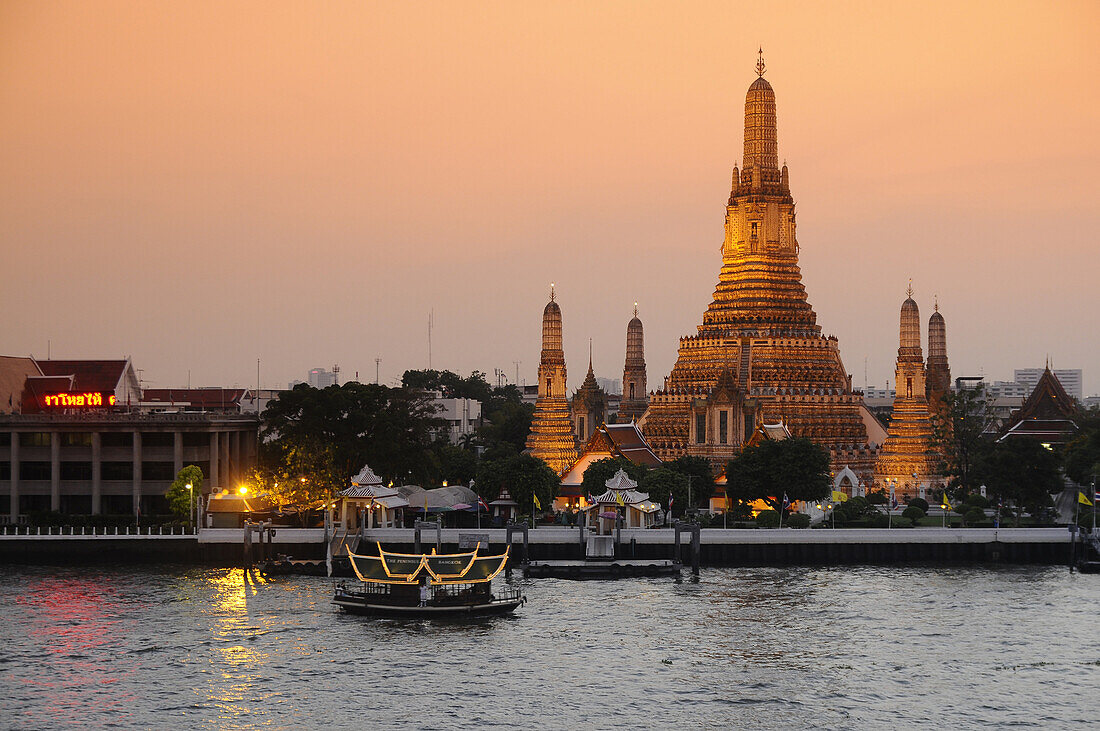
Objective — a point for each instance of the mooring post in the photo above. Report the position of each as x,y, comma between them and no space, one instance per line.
247,545
676,542
695,549
439,534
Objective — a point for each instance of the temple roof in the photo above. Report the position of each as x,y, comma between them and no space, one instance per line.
1048,400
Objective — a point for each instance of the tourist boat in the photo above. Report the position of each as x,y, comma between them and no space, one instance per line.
427,585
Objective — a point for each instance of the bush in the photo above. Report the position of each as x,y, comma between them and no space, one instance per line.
876,498
977,501
879,521
768,519
974,516
919,502
913,512
798,520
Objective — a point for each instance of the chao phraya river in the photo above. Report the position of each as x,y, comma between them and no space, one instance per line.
868,647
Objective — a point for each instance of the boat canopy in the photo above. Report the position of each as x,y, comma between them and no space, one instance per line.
441,568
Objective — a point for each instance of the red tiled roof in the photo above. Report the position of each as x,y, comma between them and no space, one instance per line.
88,375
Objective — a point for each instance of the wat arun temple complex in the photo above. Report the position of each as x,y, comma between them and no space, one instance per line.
758,358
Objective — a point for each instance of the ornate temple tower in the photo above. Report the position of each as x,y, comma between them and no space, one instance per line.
939,372
635,400
589,406
551,438
908,463
759,354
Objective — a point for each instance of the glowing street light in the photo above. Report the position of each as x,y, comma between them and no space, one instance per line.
191,504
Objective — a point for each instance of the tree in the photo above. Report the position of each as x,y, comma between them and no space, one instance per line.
662,481
455,465
796,467
341,428
180,499
702,478
506,421
959,433
1082,454
599,472
1021,471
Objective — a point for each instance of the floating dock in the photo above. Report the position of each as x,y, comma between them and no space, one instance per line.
617,569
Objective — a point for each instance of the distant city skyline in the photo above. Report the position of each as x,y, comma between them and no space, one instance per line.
202,188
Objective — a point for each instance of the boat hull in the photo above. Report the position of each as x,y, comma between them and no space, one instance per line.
361,605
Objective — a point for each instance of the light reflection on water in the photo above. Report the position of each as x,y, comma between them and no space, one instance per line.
774,648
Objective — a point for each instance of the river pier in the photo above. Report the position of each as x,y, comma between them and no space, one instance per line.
717,547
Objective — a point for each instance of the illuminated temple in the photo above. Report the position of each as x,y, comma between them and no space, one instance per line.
908,464
759,355
551,438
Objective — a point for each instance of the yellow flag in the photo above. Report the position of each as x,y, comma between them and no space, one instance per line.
535,498
1083,500
839,496
619,498
947,502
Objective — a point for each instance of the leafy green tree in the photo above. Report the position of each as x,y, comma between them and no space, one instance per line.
599,472
796,467
455,465
180,499
960,433
767,519
702,478
1021,471
661,481
913,513
506,421
1082,454
341,428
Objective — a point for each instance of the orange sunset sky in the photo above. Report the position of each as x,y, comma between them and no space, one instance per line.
201,184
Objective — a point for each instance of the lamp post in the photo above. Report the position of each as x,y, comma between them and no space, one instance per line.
943,512
191,504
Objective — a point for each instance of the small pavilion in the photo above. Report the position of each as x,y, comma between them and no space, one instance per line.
504,507
371,502
622,502
606,442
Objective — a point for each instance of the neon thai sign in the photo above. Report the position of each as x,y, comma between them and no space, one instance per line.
77,400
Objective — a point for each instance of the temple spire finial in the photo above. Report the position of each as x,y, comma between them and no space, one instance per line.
551,291
936,302
760,67
635,309
909,292
590,354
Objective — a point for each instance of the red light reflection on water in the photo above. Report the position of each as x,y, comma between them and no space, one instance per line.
74,621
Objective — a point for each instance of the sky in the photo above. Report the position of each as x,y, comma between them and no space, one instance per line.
203,185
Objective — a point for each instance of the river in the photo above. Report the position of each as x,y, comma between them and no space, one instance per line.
867,647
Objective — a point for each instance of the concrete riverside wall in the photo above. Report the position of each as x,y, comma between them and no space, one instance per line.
752,547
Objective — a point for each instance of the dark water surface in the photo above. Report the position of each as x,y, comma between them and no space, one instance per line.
771,648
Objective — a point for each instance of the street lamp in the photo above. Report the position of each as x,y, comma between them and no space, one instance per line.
191,504
943,509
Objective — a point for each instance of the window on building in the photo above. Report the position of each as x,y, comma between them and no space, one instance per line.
34,470
76,470
700,428
755,230
580,426
631,390
196,439
723,427
117,471
76,439
750,424
34,439
5,470
116,439
158,439
159,471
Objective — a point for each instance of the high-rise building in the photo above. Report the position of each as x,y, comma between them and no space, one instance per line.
759,355
320,378
551,438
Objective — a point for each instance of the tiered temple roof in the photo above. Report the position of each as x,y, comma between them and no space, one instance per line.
759,328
